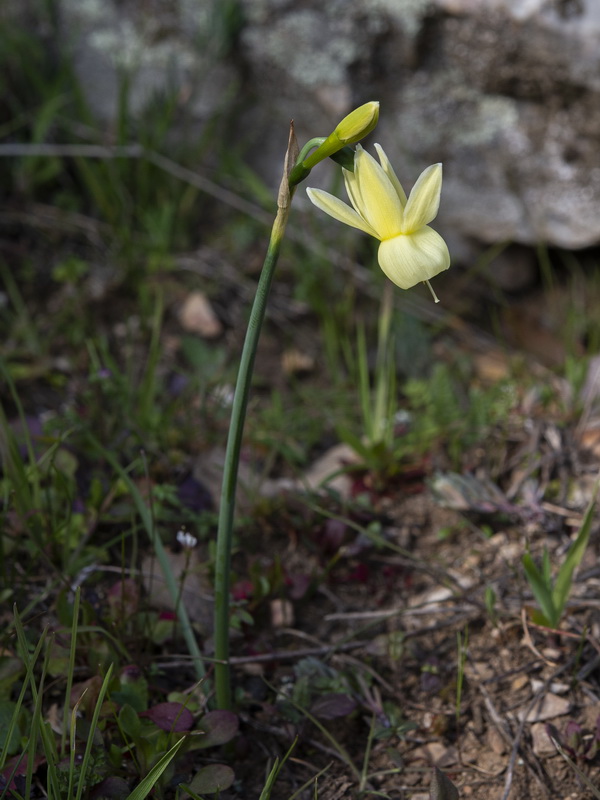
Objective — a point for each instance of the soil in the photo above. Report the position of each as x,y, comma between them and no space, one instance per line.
410,612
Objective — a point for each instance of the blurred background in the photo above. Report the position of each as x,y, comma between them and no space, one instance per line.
141,145
503,92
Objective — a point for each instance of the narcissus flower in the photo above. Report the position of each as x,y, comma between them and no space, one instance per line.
410,251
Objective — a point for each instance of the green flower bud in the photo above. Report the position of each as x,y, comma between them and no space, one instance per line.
356,125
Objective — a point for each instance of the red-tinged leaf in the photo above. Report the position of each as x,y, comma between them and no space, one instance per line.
299,584
573,738
123,599
19,764
334,532
170,717
242,590
218,727
360,574
333,705
212,779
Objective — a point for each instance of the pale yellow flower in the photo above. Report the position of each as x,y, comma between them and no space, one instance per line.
410,251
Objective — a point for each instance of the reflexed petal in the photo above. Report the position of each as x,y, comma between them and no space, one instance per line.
389,171
352,189
352,185
407,260
424,199
339,210
375,196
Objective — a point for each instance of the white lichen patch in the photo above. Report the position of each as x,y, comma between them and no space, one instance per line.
309,48
408,13
195,14
86,10
492,117
139,40
131,46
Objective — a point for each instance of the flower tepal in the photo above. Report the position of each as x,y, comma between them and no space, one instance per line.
410,251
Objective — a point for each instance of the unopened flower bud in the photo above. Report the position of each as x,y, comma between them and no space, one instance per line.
358,123
354,127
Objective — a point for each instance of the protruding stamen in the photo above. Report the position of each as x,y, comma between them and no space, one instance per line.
436,299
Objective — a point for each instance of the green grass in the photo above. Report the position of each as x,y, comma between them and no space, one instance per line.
552,593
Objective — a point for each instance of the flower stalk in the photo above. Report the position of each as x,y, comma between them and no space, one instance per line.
410,251
236,429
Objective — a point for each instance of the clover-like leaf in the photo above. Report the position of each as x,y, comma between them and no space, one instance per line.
333,705
170,717
218,727
212,779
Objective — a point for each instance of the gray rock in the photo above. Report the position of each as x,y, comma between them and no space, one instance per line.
505,92
160,47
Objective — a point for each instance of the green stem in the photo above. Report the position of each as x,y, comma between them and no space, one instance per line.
234,441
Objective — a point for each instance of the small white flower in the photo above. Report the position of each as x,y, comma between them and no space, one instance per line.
186,540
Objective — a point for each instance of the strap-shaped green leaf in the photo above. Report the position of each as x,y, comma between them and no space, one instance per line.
148,783
541,589
562,587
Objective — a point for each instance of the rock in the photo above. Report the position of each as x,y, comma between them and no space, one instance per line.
282,613
161,47
208,470
555,688
541,742
590,715
506,93
495,741
197,589
296,362
329,471
519,682
479,670
197,315
438,754
548,707
590,392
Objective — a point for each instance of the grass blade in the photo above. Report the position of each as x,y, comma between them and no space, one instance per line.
94,724
272,776
562,587
171,583
541,590
580,774
148,783
71,669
